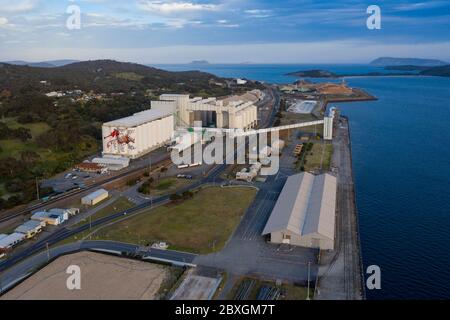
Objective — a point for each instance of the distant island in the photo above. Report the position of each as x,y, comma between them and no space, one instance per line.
389,61
199,62
406,70
314,74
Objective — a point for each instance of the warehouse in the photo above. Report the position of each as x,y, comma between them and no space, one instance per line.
112,163
31,228
91,167
139,134
8,242
95,197
305,212
51,218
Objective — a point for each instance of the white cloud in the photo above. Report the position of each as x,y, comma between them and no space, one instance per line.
18,6
175,7
3,21
420,5
351,51
259,13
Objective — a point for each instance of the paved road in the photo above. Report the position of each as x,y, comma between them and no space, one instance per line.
135,166
340,274
213,177
20,271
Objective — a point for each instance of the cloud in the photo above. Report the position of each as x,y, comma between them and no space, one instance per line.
175,7
259,13
3,21
348,51
420,5
18,6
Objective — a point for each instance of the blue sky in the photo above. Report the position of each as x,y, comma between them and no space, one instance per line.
228,31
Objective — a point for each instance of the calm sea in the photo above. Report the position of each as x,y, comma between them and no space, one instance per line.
401,157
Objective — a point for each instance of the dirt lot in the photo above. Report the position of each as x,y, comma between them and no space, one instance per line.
103,277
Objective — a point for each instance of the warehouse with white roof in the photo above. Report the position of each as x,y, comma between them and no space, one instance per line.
95,197
9,241
305,212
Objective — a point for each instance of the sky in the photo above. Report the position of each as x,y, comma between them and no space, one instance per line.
223,31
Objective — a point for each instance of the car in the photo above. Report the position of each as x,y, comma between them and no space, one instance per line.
67,176
74,177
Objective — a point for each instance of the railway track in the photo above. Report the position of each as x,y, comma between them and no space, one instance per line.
68,195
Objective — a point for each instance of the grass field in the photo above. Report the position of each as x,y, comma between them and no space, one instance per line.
169,185
319,158
121,204
193,225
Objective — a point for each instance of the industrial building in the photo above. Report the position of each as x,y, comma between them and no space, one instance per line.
91,167
250,174
9,241
95,197
143,132
139,134
50,218
31,228
112,163
305,212
328,124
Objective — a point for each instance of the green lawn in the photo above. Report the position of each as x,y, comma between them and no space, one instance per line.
35,128
168,186
193,225
319,158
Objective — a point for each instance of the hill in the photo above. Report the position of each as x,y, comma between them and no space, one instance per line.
108,76
442,71
389,61
41,136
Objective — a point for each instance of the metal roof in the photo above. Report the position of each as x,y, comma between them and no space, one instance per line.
306,205
95,194
140,118
29,226
11,239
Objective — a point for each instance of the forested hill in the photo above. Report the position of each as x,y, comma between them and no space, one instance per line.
43,132
107,76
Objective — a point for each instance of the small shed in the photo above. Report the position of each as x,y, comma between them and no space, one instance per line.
95,197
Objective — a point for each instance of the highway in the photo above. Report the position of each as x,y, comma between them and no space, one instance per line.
213,177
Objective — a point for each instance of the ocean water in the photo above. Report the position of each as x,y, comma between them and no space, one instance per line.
401,160
273,73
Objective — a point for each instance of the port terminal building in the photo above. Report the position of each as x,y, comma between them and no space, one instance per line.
143,132
305,212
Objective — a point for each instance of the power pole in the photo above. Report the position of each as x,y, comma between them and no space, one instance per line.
37,188
48,252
